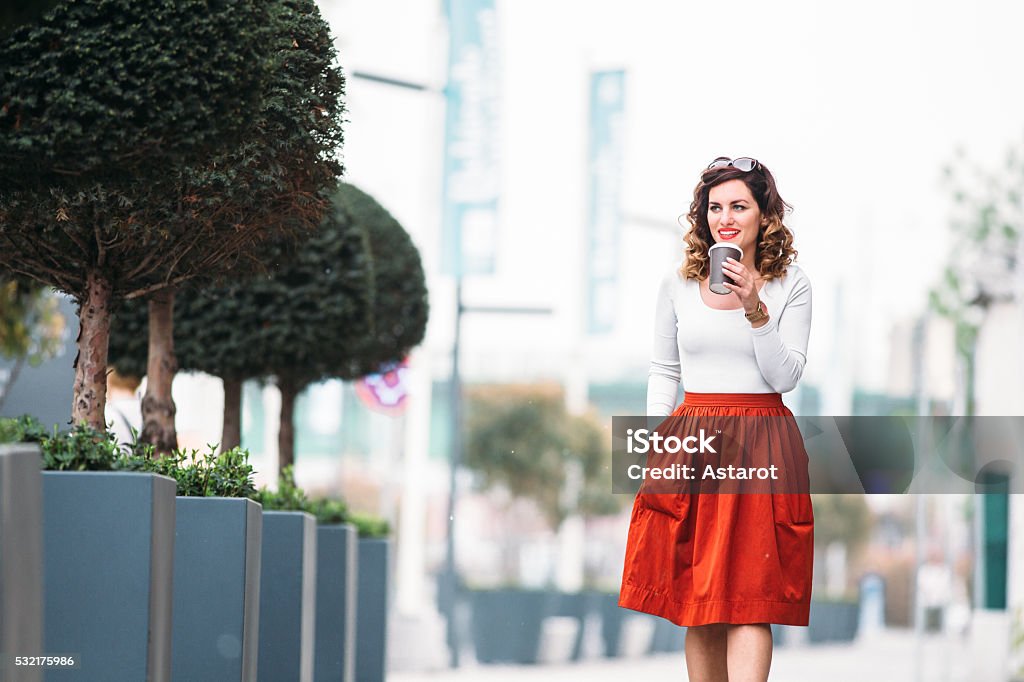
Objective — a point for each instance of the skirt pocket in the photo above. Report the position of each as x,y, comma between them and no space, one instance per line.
792,508
675,505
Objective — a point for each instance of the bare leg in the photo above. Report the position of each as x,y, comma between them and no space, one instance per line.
749,652
706,653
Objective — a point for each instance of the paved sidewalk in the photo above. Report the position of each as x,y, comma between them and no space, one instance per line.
888,657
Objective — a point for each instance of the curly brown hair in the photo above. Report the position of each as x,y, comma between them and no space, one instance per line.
775,241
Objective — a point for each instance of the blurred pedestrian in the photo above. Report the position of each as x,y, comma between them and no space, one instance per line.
727,565
123,413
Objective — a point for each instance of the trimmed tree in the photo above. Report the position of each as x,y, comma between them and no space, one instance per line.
348,300
203,219
14,13
987,254
398,309
521,438
102,104
984,269
249,329
274,186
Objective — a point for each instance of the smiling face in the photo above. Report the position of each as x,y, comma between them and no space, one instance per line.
734,217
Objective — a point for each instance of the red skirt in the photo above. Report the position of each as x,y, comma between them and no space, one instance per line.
726,558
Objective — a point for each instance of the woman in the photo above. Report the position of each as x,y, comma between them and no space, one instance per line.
728,565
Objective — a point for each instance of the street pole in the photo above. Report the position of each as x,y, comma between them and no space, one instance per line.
920,526
450,580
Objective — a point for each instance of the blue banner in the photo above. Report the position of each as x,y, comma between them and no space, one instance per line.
604,214
470,201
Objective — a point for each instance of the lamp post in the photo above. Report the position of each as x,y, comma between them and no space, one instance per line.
449,578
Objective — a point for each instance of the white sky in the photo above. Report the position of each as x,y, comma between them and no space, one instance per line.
854,107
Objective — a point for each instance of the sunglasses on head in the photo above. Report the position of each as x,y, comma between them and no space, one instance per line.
744,163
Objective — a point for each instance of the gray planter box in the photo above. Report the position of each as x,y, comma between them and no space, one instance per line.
507,623
216,589
612,616
669,637
336,576
287,597
372,609
108,560
21,555
832,621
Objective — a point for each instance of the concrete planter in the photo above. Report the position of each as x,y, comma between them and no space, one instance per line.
626,632
108,560
372,609
612,617
668,637
216,588
21,554
579,606
507,623
336,581
832,621
779,637
287,597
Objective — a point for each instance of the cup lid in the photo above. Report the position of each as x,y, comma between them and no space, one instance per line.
723,245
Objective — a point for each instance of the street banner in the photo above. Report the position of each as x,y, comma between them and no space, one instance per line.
471,169
604,213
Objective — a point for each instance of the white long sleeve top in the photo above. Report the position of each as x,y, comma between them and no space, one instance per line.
717,351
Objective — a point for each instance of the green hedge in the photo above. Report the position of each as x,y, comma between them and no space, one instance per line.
83,448
209,474
328,511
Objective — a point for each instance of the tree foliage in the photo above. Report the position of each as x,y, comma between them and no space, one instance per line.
154,141
841,518
339,305
400,303
301,317
101,103
523,439
14,13
984,265
275,184
117,87
147,144
272,187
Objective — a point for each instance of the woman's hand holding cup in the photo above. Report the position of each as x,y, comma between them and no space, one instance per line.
744,287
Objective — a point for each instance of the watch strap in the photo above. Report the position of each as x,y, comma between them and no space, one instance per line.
759,314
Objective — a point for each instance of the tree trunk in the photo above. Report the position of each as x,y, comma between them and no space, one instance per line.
157,405
231,435
286,432
12,377
90,395
967,348
971,361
